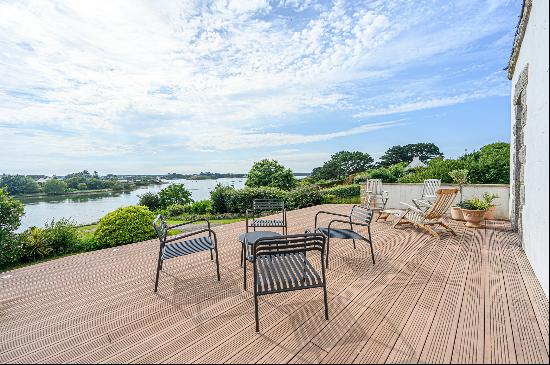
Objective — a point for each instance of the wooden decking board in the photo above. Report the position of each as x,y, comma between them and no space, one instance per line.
468,346
538,300
451,300
499,340
378,347
530,348
337,302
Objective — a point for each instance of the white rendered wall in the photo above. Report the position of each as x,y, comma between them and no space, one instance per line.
534,51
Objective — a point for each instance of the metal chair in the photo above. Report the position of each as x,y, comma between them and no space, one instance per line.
359,215
428,194
281,264
266,205
183,245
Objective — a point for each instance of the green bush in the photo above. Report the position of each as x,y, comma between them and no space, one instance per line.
125,225
303,196
438,168
35,244
176,210
344,191
270,173
221,197
150,200
332,199
11,211
243,198
200,207
82,186
476,204
174,194
389,174
489,165
54,187
61,236
19,184
11,249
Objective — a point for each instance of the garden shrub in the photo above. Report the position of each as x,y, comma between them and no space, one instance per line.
199,207
221,197
243,198
35,244
332,199
176,210
11,211
303,196
54,187
150,200
174,194
344,191
61,236
11,250
125,225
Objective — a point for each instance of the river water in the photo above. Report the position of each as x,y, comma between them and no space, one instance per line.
85,209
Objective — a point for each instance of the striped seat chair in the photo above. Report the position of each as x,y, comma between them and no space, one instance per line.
288,263
186,244
359,216
262,206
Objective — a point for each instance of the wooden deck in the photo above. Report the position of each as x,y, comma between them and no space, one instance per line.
469,298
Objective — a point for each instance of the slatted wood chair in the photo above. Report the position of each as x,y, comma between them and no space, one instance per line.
186,244
434,216
428,194
359,216
260,206
377,197
288,263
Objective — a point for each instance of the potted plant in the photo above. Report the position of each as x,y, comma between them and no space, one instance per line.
491,211
459,177
474,212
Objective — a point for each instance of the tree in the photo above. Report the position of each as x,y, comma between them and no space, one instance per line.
342,164
11,211
270,173
397,154
174,194
19,184
54,187
150,200
489,165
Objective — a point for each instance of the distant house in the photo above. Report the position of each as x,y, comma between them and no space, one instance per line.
43,179
415,163
528,70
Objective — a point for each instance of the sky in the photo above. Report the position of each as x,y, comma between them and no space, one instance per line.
149,87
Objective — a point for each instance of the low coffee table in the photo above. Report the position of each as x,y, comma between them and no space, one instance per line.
249,239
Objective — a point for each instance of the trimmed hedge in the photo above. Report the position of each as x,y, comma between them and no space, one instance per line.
125,225
343,191
227,199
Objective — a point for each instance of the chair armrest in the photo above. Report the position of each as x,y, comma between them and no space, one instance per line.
190,222
328,213
347,222
410,207
194,233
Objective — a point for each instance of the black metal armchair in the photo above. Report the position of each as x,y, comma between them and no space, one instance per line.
259,206
183,245
359,216
281,264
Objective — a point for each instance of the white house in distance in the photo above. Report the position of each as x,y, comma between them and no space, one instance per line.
528,70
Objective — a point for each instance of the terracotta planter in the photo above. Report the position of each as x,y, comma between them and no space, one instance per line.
491,212
474,218
456,214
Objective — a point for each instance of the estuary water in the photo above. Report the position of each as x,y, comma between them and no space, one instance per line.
85,209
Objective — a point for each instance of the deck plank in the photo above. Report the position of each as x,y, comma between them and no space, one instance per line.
469,298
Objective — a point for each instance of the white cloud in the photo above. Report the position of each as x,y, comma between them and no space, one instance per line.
219,70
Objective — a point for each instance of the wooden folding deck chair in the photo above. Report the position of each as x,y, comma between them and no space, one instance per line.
434,216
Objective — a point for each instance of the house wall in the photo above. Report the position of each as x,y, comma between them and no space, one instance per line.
407,192
533,54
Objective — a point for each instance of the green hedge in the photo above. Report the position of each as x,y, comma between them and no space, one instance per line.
125,225
230,200
343,191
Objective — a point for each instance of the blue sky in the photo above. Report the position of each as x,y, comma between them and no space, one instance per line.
189,86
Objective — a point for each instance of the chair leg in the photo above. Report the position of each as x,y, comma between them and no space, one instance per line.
430,230
217,263
159,267
354,247
447,227
244,274
326,301
328,241
242,254
256,307
211,255
371,247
